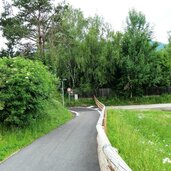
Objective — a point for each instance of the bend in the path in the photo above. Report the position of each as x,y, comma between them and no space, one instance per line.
70,147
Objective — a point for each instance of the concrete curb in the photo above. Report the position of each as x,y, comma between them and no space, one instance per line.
76,113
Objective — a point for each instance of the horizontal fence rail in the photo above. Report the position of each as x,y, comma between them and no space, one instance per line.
109,159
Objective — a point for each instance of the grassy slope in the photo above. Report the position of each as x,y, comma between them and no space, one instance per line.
142,137
13,140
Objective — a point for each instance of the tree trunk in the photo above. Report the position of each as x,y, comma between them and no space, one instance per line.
39,36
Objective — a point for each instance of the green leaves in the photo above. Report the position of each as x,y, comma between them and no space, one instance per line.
24,85
31,21
138,54
87,51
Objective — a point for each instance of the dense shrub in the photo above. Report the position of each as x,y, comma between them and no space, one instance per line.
24,84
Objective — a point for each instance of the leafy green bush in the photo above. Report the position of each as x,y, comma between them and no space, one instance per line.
24,84
86,90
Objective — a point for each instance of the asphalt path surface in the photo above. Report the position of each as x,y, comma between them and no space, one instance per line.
164,106
71,147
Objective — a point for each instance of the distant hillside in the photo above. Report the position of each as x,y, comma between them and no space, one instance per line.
161,46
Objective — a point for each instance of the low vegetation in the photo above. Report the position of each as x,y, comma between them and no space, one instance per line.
142,137
24,85
113,101
81,102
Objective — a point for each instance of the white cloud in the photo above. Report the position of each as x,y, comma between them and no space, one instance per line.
158,13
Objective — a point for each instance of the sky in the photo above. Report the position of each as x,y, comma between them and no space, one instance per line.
157,12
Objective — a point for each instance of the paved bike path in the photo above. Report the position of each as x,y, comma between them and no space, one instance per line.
71,147
162,106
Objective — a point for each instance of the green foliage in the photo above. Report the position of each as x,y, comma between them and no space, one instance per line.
94,52
142,137
24,85
86,51
90,55
31,21
117,100
138,55
81,102
12,140
78,50
164,62
63,55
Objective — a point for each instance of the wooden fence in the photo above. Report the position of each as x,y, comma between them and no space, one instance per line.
157,90
109,159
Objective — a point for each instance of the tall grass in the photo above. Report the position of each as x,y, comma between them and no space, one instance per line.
113,101
14,139
81,102
142,137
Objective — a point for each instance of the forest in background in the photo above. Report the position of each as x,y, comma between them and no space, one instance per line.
87,51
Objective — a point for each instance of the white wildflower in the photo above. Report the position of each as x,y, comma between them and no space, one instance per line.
26,77
150,142
161,150
140,116
166,160
153,135
137,130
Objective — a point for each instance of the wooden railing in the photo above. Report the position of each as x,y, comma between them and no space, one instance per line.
109,159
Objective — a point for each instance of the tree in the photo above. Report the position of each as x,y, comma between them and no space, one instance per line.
64,45
138,54
94,55
168,47
113,57
31,21
78,50
4,53
165,63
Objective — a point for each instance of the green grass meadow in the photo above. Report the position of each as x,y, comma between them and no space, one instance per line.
12,140
143,138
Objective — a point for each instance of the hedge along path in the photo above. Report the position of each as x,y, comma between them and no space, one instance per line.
109,159
24,85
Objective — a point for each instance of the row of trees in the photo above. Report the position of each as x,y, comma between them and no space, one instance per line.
87,51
